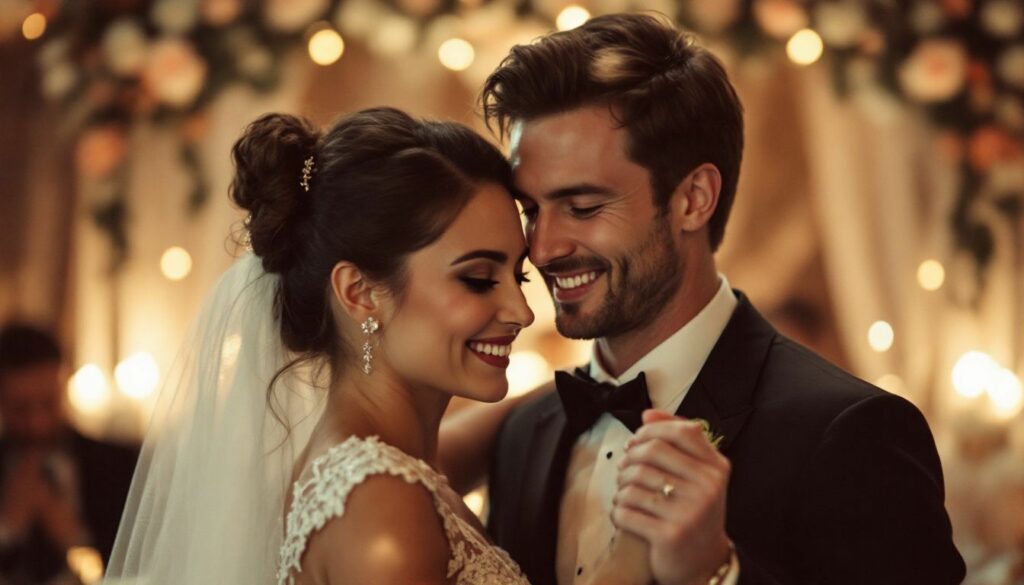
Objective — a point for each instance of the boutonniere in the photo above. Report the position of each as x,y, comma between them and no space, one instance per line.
712,437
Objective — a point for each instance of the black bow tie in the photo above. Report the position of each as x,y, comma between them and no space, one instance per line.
584,400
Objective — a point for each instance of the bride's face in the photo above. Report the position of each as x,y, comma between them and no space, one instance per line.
462,306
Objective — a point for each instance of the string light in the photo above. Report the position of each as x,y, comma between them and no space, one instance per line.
931,275
176,263
804,47
456,54
880,336
572,16
33,26
137,375
326,47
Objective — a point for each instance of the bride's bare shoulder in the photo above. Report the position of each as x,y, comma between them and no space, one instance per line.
390,533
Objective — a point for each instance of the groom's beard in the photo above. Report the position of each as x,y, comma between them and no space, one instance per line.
640,286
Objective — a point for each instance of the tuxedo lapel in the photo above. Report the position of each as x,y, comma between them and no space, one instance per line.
544,481
723,392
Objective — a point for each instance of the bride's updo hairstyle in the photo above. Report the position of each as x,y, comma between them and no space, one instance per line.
382,186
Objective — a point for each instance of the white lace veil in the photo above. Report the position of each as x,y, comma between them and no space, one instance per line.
207,502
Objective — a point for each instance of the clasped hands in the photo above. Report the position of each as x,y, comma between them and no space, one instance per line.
669,510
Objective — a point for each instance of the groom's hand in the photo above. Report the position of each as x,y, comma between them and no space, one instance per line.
684,523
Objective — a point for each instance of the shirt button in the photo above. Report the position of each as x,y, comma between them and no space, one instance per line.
579,571
608,455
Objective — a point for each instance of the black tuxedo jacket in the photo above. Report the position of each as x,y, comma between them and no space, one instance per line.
833,480
104,473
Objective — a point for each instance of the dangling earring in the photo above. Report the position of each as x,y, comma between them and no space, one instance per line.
370,326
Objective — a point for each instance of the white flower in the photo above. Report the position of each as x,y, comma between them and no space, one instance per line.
58,80
220,12
175,17
714,16
174,72
124,45
291,16
1002,18
1010,66
840,24
780,18
927,17
935,71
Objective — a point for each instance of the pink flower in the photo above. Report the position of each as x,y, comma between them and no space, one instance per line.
174,73
100,150
935,71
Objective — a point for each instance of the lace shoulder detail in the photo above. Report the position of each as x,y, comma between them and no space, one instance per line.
332,476
322,495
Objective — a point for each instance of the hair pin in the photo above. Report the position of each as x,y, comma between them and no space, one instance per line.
307,173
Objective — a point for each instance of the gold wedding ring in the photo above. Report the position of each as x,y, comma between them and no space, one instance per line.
667,490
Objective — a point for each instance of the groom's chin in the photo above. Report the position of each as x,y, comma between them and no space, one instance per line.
572,324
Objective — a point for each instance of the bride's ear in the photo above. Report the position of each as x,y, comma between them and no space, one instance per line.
355,294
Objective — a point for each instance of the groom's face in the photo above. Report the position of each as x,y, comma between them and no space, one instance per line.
607,253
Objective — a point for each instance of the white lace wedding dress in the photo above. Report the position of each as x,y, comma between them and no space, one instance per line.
320,497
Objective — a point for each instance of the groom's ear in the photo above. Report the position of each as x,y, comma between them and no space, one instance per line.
695,199
354,292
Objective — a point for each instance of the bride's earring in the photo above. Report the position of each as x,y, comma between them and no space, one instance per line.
370,326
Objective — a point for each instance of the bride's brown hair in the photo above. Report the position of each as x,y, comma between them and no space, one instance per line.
382,186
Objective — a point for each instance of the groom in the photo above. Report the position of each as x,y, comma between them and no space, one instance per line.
627,139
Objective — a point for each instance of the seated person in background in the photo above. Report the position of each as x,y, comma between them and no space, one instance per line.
58,489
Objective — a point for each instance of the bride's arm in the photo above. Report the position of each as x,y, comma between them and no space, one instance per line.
467,438
390,534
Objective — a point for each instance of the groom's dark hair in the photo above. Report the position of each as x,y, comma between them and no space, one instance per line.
672,96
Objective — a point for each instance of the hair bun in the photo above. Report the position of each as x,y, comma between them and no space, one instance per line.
269,159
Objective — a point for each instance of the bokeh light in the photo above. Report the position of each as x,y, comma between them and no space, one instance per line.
571,17
456,54
931,275
526,370
326,47
137,375
880,336
88,390
973,373
176,263
474,500
33,26
804,47
1006,394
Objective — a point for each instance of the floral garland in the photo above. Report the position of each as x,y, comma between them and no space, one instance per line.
113,63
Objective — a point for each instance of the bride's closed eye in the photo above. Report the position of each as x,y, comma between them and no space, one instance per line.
483,285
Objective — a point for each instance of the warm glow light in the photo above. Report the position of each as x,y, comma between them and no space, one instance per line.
456,54
86,563
880,336
571,17
891,383
176,263
475,501
326,47
33,26
137,376
973,373
804,47
88,390
1006,394
526,370
931,275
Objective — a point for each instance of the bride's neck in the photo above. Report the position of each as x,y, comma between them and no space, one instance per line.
384,405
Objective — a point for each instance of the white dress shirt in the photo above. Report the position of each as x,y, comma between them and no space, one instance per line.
585,527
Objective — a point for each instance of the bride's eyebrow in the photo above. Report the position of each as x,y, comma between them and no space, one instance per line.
495,255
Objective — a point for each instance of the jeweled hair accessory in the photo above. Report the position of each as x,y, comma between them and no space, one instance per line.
307,173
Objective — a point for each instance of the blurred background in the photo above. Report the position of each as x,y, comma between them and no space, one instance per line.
879,216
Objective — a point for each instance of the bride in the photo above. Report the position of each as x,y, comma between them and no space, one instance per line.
386,270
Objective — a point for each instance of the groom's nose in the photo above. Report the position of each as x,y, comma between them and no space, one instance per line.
549,239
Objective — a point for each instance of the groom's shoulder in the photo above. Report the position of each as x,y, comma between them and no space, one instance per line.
542,404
